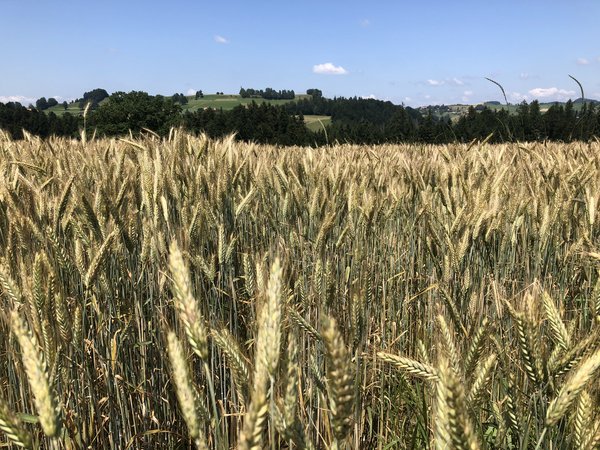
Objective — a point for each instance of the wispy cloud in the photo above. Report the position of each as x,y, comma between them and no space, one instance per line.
369,97
551,93
365,23
447,81
435,82
221,40
583,61
467,96
17,98
329,69
191,91
528,76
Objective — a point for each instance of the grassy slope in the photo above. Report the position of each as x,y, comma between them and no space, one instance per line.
316,123
228,102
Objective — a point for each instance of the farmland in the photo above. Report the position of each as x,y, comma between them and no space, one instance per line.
194,293
225,102
228,102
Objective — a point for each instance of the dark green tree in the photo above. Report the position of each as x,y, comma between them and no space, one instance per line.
134,111
41,103
179,98
93,97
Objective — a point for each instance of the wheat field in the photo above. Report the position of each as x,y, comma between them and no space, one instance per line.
190,293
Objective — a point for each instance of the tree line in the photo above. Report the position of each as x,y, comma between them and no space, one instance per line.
14,118
268,94
353,120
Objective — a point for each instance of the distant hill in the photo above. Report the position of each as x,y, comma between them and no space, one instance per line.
221,101
455,111
587,100
577,101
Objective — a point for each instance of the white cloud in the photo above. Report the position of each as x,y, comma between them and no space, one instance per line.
457,81
369,97
551,93
435,82
221,39
517,97
17,98
583,61
329,69
524,76
191,91
365,23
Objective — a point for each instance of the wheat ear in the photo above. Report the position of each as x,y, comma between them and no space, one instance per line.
266,357
36,369
189,312
183,388
340,379
455,429
411,366
571,389
12,428
583,418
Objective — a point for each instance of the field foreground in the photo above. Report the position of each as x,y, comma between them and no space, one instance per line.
212,294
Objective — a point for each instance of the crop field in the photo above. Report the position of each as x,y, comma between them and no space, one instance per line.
189,293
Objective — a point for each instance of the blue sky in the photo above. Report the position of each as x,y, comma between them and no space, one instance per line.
417,52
